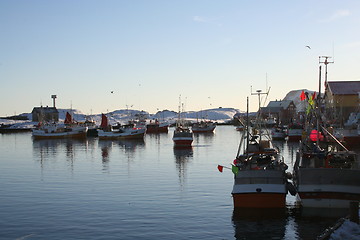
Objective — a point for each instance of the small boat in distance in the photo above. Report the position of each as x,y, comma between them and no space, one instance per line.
157,127
130,131
183,136
70,129
278,133
203,127
13,128
294,131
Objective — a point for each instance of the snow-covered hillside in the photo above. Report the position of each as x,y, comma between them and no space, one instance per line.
219,115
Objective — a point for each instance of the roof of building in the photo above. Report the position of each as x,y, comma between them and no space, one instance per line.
279,104
344,87
276,106
45,109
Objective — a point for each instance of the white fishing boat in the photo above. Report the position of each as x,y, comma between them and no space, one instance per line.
183,136
260,178
203,127
129,131
69,129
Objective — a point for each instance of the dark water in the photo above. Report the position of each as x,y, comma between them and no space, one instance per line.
91,189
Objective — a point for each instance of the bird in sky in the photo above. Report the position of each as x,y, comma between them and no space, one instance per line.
308,47
112,91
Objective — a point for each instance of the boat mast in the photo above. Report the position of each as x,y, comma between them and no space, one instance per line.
247,127
259,92
319,101
326,62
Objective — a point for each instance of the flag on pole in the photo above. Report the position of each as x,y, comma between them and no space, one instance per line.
235,169
313,96
220,168
302,96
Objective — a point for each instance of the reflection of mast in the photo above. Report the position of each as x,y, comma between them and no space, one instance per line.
182,157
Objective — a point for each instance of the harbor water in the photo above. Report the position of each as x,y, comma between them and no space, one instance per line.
99,189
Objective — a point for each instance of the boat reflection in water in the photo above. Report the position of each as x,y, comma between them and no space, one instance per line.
310,223
204,138
106,147
49,148
288,223
183,155
259,223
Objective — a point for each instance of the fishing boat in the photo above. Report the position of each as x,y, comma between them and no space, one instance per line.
260,178
14,128
294,132
183,136
128,131
203,127
278,133
69,129
349,136
326,174
157,127
349,133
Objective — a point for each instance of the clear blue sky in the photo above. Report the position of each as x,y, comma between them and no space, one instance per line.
150,52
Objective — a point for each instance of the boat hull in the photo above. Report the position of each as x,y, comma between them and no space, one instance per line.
327,187
294,134
135,134
78,133
182,142
278,136
156,129
351,137
209,129
352,141
182,138
259,189
259,200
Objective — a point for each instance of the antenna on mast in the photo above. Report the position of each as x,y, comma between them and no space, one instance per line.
326,62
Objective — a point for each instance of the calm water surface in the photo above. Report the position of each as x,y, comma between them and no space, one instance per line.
95,189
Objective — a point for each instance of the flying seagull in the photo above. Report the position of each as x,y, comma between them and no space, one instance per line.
308,47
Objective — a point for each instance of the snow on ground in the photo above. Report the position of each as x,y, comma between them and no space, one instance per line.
122,116
348,230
